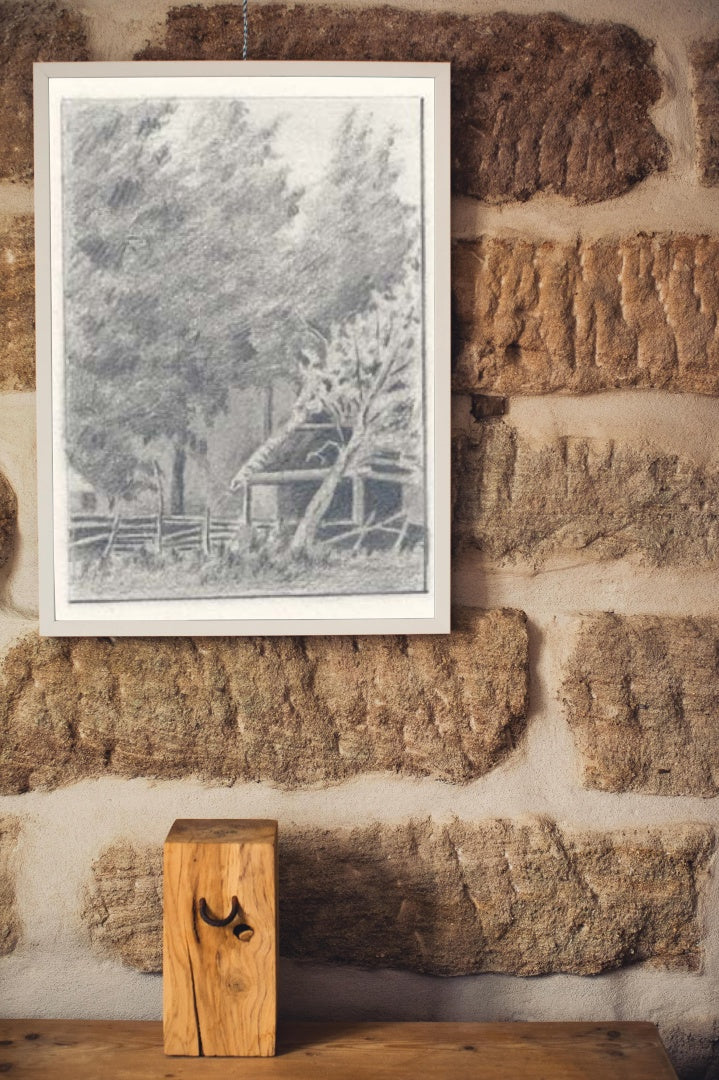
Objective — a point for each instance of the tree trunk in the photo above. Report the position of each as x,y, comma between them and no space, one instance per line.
268,413
177,499
319,504
160,507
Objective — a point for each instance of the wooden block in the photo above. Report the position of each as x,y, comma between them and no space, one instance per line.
220,982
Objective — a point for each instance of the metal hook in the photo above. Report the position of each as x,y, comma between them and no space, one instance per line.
206,917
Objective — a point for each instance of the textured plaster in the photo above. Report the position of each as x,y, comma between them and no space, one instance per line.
53,970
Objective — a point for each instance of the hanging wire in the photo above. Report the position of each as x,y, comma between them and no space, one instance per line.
244,29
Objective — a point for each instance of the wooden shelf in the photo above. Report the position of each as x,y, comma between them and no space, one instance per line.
119,1050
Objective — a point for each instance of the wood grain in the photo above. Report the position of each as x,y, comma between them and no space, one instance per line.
86,1050
219,987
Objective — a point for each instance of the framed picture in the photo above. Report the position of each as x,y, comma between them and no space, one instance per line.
243,324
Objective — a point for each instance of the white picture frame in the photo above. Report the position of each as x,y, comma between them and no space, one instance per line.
243,348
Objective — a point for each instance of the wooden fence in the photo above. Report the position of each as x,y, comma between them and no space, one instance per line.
102,534
173,532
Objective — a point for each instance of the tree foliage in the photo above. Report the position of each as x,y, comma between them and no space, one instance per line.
361,315
174,217
368,380
194,265
356,238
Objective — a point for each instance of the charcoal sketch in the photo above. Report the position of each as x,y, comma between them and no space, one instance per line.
244,347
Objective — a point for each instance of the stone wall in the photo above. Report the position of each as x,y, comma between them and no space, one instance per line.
534,795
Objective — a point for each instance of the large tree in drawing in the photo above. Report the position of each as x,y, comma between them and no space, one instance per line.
359,230
176,213
369,382
359,314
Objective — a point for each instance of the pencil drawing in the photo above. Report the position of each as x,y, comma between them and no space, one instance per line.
244,362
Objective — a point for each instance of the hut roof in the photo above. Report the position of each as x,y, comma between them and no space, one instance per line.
305,444
305,450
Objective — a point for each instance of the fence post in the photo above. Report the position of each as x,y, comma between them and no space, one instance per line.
160,508
114,526
206,534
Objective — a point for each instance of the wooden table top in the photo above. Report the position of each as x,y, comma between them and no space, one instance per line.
120,1050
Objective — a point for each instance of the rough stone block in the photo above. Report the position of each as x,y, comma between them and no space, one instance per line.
522,897
17,304
29,33
705,61
9,919
123,904
642,697
536,317
516,500
539,102
288,710
8,519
